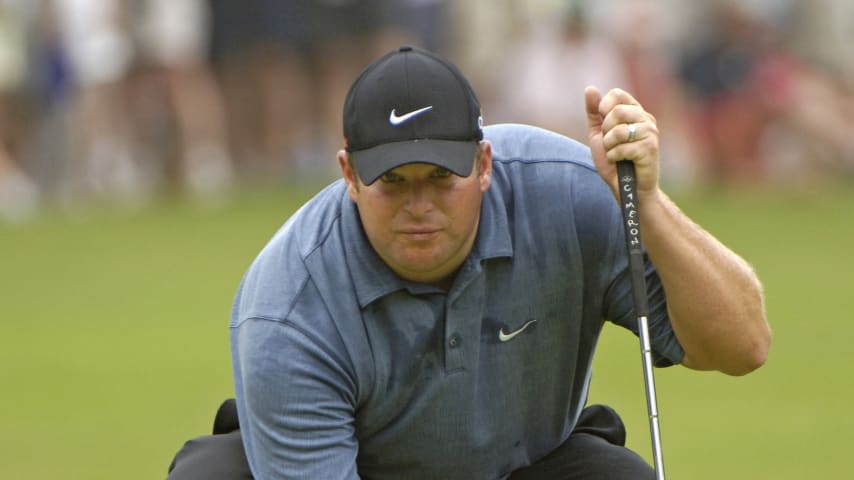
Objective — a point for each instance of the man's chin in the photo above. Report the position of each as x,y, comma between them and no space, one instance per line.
421,271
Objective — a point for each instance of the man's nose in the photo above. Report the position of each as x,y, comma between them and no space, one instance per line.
420,198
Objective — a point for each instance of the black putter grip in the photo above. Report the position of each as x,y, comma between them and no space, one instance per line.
631,222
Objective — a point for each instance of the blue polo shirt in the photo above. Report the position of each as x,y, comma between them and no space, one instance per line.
343,370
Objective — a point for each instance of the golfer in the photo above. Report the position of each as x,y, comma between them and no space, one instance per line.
434,314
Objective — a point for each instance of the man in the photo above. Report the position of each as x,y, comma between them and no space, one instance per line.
434,314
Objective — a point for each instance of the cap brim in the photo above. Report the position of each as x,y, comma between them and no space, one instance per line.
454,155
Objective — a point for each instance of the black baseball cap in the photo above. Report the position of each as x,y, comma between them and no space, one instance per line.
411,106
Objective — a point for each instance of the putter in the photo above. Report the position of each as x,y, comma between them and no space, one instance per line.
631,221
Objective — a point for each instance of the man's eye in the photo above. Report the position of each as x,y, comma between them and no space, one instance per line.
442,173
390,177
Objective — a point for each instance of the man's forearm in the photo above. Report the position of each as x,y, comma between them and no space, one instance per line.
713,295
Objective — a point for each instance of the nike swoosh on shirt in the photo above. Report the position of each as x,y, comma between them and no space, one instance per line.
506,337
394,119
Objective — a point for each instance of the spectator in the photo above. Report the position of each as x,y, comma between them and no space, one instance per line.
651,75
541,81
285,67
19,195
175,40
99,49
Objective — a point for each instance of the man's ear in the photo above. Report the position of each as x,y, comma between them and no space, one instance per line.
349,174
485,165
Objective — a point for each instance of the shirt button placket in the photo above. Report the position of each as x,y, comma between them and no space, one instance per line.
454,360
460,324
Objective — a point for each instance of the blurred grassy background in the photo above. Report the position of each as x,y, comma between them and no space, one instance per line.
114,347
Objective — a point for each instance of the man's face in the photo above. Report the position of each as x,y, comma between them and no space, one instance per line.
421,219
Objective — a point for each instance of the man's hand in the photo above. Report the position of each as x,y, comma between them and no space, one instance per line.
609,119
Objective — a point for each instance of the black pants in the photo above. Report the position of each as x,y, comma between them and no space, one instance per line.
594,451
214,457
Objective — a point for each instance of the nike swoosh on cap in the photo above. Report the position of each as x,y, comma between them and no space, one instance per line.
394,119
506,337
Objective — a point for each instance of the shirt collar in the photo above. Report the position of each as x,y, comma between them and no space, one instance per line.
373,279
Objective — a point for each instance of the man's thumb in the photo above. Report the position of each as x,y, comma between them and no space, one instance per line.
592,98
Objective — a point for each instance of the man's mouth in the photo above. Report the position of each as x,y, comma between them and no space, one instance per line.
420,234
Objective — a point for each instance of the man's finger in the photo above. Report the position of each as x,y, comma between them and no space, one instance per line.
623,114
592,99
621,134
614,97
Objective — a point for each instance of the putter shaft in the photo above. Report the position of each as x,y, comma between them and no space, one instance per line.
631,221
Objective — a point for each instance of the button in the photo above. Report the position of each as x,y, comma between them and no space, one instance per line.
405,48
454,341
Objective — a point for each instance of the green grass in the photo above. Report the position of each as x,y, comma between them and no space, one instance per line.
114,348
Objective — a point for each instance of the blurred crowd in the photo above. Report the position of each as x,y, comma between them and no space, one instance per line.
120,101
